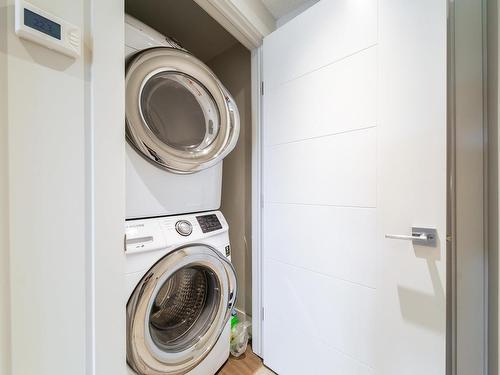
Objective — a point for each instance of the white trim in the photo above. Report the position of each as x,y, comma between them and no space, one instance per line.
248,21
105,109
257,302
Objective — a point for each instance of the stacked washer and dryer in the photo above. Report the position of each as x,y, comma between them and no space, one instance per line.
181,286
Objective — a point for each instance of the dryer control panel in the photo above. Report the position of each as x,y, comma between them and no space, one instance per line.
209,223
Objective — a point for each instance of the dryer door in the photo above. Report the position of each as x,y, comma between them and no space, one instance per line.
178,114
178,311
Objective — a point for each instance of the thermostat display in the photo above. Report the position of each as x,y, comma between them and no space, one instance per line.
42,24
46,29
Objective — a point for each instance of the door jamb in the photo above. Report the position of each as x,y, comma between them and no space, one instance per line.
468,168
257,201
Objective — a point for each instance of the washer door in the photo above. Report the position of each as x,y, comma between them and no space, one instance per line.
178,311
178,114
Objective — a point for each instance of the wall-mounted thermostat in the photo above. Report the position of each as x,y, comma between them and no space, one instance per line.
41,27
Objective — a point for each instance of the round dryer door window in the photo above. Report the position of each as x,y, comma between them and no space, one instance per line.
178,114
178,311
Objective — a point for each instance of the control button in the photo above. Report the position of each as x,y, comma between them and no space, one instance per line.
74,38
184,227
209,223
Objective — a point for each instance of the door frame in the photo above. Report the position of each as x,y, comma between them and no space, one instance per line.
257,201
249,25
467,196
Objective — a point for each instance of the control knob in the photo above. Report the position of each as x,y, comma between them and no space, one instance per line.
184,227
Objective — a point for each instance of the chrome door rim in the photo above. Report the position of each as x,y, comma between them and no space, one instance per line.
156,60
143,355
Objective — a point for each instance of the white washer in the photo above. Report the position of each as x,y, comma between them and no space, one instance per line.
180,123
181,288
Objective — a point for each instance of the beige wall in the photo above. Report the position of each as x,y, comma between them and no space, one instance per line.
233,69
492,75
4,243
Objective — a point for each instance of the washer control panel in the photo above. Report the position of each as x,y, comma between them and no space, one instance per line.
209,223
184,227
143,235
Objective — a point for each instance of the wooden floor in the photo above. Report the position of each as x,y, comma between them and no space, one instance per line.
246,364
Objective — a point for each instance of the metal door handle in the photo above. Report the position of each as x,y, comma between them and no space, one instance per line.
414,236
419,236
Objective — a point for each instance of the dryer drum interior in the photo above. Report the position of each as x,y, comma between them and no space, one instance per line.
179,116
178,311
179,111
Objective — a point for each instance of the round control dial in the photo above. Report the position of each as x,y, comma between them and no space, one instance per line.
184,227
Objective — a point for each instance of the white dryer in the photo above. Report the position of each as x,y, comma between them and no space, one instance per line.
181,288
180,123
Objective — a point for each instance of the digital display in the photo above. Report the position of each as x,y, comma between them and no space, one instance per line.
209,223
42,24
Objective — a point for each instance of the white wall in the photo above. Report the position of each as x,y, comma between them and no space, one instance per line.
46,152
289,16
62,175
4,199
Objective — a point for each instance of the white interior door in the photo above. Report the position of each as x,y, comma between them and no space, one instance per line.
354,147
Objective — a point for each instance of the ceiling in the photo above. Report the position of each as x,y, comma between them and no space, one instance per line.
177,19
280,8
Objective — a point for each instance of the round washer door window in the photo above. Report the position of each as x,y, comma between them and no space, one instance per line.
178,311
178,114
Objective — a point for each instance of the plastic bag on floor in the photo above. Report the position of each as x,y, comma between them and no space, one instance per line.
239,337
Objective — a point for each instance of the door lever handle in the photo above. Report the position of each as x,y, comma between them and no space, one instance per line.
414,236
419,236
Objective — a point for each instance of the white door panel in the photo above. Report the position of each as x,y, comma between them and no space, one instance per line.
344,253
324,309
354,140
320,191
331,170
326,360
324,33
331,96
412,185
